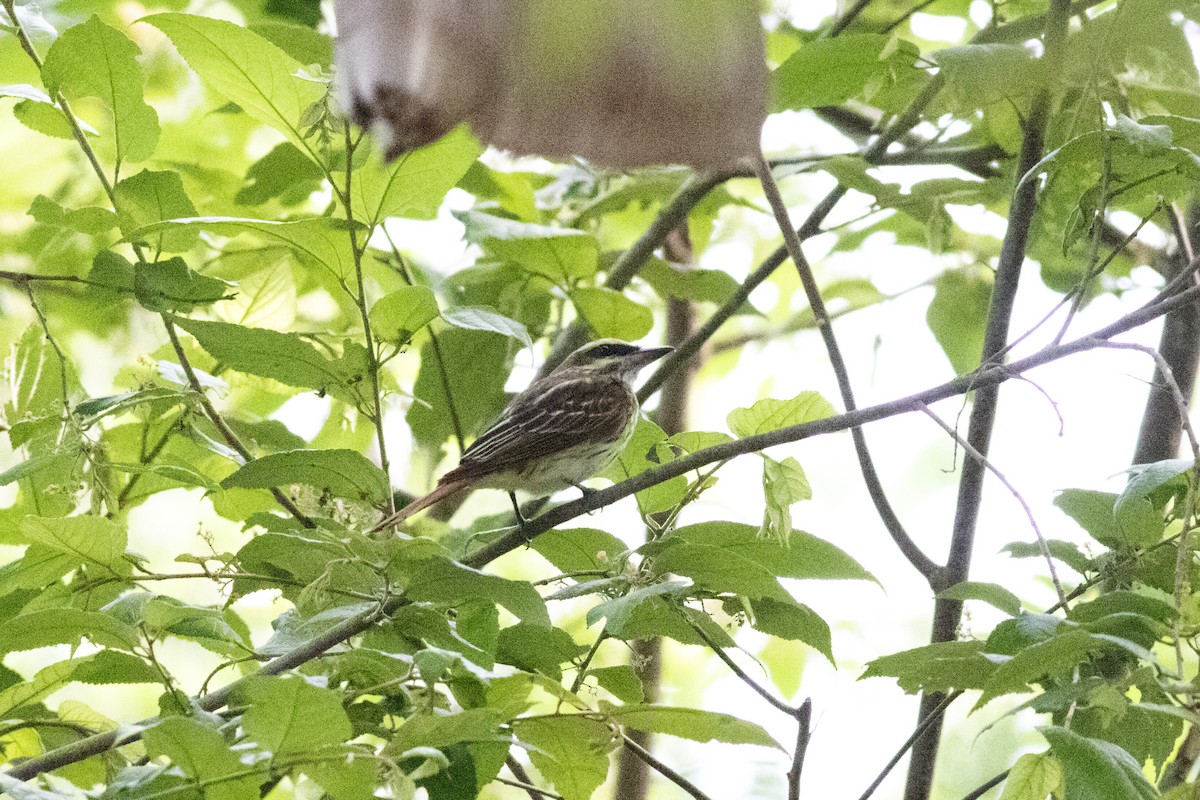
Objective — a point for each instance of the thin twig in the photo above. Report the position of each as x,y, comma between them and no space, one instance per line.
986,787
523,780
926,722
662,769
803,717
720,653
360,300
1037,531
219,422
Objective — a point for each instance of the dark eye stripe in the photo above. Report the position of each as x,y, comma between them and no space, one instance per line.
611,349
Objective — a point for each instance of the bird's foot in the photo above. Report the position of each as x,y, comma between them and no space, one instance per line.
586,491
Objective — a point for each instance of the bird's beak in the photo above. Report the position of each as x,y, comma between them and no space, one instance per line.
649,355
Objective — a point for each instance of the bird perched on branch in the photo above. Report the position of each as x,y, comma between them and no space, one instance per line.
559,432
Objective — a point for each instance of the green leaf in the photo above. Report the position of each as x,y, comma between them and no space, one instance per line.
572,752
475,365
640,454
991,593
340,473
317,242
413,185
1139,525
621,681
957,315
151,197
20,790
113,666
290,716
94,60
1095,769
537,648
579,549
1066,552
979,75
244,68
438,579
1057,655
803,556
558,254
66,626
611,314
1034,776
696,285
719,570
784,483
692,723
396,316
772,415
482,318
91,220
285,173
795,621
619,611
171,286
203,755
47,680
36,569
827,72
94,541
1145,483
440,730
284,357
940,667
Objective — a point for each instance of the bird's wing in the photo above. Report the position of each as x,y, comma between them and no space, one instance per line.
541,423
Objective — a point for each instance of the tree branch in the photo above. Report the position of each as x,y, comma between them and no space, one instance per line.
920,562
948,612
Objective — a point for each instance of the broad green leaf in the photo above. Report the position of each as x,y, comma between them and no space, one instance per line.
47,680
957,315
94,541
643,453
697,285
150,197
429,624
66,626
285,173
784,483
1057,655
293,630
537,648
93,60
440,580
771,415
171,286
203,755
317,242
413,185
572,752
1034,776
1066,552
1095,769
94,409
302,42
284,357
558,254
481,318
340,473
91,220
396,316
620,611
991,593
113,666
979,75
803,556
692,723
290,716
940,667
621,681
210,627
579,549
719,570
827,72
1147,480
1138,526
1123,601
350,778
475,364
611,314
35,388
244,68
440,729
792,620
48,463
37,568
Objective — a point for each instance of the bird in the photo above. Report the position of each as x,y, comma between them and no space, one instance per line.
566,427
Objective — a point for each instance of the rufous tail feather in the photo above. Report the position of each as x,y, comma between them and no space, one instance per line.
442,491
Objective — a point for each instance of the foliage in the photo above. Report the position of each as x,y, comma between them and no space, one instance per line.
191,202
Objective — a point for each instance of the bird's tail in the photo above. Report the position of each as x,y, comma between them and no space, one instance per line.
442,491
